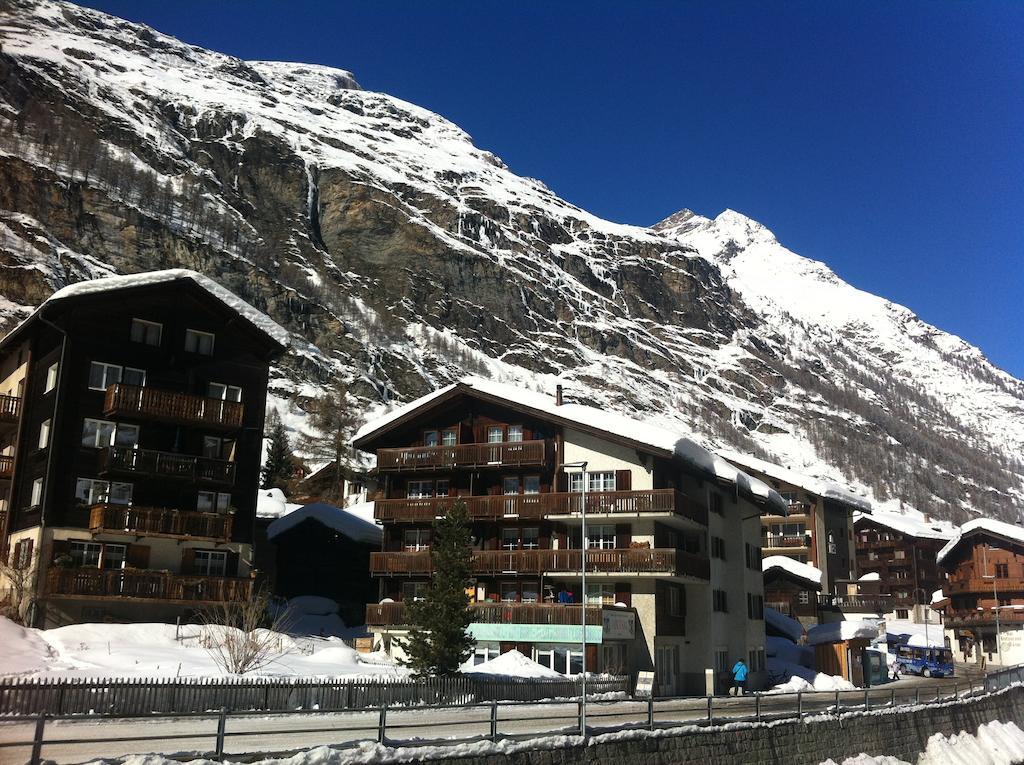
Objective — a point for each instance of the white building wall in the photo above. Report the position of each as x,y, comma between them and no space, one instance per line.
602,455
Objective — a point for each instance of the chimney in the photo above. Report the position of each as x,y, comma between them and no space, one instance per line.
558,395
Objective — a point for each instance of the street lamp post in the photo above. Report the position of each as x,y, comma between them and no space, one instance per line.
995,606
581,468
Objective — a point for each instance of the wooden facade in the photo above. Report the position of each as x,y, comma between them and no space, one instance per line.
136,448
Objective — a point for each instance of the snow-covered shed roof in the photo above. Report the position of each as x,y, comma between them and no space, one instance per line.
1009,531
255,317
836,632
911,523
818,486
794,568
272,503
351,522
610,425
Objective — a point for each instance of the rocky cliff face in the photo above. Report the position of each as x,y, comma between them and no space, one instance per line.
407,257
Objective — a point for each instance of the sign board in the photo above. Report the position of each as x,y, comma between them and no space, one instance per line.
618,625
534,633
644,684
364,644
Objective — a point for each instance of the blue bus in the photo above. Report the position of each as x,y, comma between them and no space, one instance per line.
927,662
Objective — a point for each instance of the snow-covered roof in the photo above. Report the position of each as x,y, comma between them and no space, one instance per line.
591,418
129,281
272,503
818,486
871,576
350,522
804,571
835,632
911,523
1010,531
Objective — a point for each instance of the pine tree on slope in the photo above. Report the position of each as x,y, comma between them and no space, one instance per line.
332,421
280,465
439,641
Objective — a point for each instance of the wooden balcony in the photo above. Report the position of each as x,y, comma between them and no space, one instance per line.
984,586
495,562
140,584
121,460
6,467
855,603
159,522
986,617
779,541
495,613
10,409
625,503
181,408
504,454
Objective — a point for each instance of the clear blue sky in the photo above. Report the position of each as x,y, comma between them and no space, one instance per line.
884,138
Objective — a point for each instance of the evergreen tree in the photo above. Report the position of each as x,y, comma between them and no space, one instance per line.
280,464
439,642
332,421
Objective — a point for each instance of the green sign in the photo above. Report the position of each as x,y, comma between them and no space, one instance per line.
534,633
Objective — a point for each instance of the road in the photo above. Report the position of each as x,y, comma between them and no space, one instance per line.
287,732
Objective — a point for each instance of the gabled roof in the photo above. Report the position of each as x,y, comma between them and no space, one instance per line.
607,425
256,318
1011,532
912,525
804,573
350,522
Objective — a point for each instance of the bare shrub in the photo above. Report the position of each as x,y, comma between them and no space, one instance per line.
246,636
16,587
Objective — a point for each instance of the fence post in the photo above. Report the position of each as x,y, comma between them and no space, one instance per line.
956,695
579,712
650,712
917,695
222,724
757,706
382,724
800,705
866,700
494,720
837,702
711,718
37,740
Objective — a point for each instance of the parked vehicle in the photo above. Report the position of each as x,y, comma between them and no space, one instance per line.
927,662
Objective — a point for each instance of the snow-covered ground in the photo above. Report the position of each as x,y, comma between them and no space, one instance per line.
995,743
151,650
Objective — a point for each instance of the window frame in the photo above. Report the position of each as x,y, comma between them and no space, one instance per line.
453,433
599,531
199,334
45,428
36,495
516,430
209,556
50,383
105,374
146,327
498,430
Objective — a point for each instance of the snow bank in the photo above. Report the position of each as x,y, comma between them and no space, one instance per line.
781,623
347,521
514,664
790,678
871,576
834,632
23,650
317,616
995,743
804,571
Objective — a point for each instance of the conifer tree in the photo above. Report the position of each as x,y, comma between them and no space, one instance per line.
280,465
439,641
332,421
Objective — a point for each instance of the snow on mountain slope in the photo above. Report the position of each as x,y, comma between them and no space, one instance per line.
410,258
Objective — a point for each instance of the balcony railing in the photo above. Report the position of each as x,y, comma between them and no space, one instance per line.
124,460
865,603
540,505
10,408
776,541
496,613
984,586
506,453
6,466
151,521
135,401
494,562
148,585
986,616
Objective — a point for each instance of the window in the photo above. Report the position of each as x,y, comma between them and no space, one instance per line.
102,375
443,486
449,437
601,594
415,540
719,601
531,538
414,590
419,489
509,592
132,376
37,492
530,593
902,613
211,563
755,606
114,556
531,484
212,502
495,434
601,537
721,660
223,392
515,433
897,554
485,652
21,558
95,492
102,433
753,556
756,659
199,342
510,484
44,434
715,503
51,378
1002,571
674,601
86,553
604,481
564,659
431,438
510,539
147,332
717,548
217,448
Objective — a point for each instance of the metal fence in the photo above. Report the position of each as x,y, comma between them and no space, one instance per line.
142,696
1001,678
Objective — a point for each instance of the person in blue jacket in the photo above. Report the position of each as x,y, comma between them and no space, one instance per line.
739,678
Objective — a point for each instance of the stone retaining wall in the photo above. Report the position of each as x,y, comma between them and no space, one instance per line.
903,733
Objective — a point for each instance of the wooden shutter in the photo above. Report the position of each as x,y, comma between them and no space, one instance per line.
188,561
137,556
562,481
623,535
28,544
16,554
623,480
231,569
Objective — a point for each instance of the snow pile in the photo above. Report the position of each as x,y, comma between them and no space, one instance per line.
514,664
315,615
349,522
835,632
1000,529
272,503
152,650
790,678
995,743
783,624
871,576
805,571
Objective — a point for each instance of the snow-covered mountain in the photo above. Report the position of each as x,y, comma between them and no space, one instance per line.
407,257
